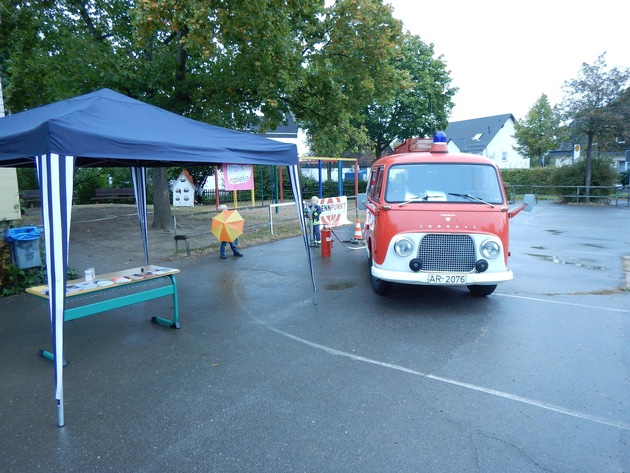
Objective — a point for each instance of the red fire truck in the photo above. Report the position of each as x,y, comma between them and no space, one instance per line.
438,218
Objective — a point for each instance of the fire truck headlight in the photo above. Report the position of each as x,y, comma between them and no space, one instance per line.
490,249
403,247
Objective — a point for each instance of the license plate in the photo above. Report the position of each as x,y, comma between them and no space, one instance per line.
446,278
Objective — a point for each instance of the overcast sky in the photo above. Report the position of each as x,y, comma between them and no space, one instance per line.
503,55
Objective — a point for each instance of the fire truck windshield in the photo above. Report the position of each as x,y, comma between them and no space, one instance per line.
437,182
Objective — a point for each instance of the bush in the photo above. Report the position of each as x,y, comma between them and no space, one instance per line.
602,175
527,177
86,181
310,187
521,181
14,280
27,178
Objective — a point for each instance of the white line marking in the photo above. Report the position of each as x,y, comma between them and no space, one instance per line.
493,392
585,306
111,217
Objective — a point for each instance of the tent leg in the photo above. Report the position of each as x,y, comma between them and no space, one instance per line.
60,420
51,357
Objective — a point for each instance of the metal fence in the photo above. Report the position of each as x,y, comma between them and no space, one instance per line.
614,195
617,195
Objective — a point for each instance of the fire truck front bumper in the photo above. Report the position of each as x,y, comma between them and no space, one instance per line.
442,278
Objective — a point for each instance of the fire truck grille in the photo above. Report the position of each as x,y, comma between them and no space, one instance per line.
447,253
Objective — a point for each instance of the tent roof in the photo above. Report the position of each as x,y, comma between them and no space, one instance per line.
107,129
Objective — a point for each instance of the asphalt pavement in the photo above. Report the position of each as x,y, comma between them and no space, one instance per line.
260,378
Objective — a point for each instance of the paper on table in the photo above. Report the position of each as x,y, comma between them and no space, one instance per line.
121,279
85,285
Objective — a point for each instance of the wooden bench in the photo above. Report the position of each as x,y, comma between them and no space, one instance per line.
113,195
110,286
31,198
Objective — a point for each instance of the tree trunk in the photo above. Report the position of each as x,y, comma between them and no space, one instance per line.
587,176
162,216
379,148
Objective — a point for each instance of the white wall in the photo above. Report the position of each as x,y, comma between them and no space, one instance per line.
503,144
9,195
301,142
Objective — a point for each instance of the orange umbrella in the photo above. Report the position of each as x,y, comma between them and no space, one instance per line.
228,225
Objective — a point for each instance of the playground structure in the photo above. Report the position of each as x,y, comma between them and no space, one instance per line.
190,230
276,184
339,161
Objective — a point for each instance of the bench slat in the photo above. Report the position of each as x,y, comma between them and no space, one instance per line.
101,195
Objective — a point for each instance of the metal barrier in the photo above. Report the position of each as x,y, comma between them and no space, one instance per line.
274,206
577,194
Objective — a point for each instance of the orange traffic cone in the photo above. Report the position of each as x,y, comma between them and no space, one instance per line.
357,233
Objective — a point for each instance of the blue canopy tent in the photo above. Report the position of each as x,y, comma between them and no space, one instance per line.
107,129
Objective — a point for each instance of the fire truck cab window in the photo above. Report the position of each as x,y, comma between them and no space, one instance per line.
443,182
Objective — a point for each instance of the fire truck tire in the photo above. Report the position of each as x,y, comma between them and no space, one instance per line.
382,288
482,291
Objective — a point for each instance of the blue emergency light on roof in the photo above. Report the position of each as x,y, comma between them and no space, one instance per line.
439,143
439,137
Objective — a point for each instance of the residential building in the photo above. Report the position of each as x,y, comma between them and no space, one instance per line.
566,154
289,132
492,137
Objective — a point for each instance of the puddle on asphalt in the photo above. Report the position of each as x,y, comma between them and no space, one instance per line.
339,286
555,259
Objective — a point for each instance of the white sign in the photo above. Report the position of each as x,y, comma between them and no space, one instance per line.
334,211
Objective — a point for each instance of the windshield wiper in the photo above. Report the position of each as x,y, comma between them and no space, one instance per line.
471,197
414,199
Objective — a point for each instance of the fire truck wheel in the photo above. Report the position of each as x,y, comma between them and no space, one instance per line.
381,287
482,291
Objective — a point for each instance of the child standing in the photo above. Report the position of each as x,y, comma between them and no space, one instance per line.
315,212
233,247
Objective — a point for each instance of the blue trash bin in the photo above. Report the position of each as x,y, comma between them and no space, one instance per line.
24,246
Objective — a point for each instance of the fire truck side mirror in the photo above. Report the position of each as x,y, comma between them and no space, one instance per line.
361,201
529,201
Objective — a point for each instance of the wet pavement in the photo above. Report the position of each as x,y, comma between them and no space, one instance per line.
535,377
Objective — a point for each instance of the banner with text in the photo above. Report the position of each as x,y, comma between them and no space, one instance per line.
334,211
238,177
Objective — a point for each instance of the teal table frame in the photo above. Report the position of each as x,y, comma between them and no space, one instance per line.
130,299
93,308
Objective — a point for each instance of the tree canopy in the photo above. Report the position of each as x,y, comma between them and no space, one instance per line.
51,51
243,65
593,105
421,103
231,63
538,133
